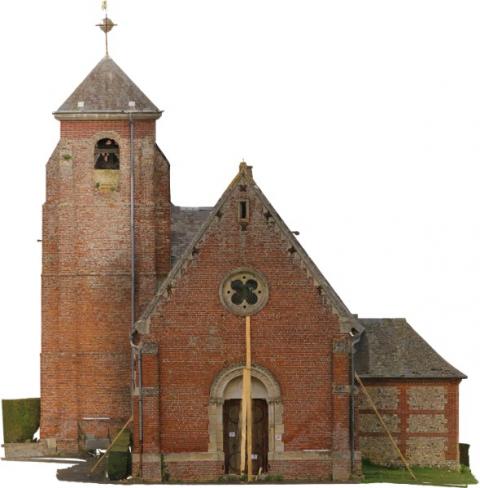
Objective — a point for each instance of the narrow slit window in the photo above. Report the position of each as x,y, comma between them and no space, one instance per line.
243,210
107,154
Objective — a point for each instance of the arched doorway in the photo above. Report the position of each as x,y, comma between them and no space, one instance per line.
232,427
224,414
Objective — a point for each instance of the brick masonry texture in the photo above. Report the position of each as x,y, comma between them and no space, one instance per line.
423,419
293,337
86,287
151,471
302,470
280,342
195,471
86,276
299,337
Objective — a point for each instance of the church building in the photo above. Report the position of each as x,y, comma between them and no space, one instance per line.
159,317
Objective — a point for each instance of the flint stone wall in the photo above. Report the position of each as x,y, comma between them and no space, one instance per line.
422,416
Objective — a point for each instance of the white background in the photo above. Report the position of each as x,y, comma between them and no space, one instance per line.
361,119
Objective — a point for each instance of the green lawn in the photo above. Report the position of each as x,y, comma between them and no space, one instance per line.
431,476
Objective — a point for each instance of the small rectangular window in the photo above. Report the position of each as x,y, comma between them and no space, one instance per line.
243,210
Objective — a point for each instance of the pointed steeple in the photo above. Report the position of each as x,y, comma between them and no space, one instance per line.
107,92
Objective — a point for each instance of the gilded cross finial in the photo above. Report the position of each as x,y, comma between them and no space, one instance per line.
107,25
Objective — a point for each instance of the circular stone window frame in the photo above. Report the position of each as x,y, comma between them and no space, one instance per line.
239,309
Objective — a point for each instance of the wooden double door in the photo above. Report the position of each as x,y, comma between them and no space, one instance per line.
232,435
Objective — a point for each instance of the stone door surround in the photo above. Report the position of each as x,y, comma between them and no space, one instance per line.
272,396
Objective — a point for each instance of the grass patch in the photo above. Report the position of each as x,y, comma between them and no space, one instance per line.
432,476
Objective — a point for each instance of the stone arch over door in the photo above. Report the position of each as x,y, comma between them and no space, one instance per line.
272,394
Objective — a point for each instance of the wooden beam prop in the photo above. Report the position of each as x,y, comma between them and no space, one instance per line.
384,425
246,420
249,425
111,445
249,397
243,422
248,342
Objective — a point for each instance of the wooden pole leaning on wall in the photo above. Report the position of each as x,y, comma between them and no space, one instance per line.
248,397
243,423
384,425
246,412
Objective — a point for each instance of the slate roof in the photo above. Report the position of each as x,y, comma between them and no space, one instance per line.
391,348
107,89
186,222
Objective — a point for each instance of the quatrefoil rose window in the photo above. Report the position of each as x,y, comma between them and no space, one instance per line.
244,291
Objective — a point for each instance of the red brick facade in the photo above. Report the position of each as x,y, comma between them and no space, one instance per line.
297,337
189,344
86,275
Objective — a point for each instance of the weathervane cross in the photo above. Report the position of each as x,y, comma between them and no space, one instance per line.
107,25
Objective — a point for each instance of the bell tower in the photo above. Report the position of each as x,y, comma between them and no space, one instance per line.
106,243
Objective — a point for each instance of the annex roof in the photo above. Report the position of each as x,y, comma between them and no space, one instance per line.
391,348
107,91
